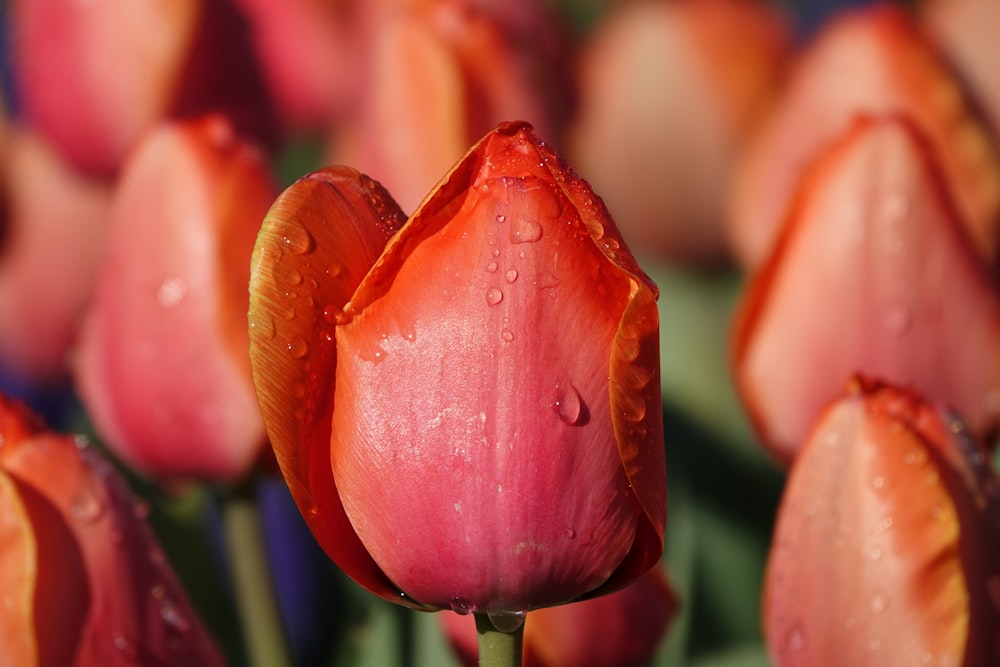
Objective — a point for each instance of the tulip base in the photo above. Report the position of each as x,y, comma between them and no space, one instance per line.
498,649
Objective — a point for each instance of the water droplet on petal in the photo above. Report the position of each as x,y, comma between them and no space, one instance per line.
795,641
87,508
264,327
507,335
494,296
492,267
501,218
462,606
879,603
524,230
569,406
298,347
171,292
507,621
511,275
298,239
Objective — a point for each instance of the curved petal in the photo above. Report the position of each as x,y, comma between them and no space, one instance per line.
319,239
871,60
472,303
19,643
885,549
875,274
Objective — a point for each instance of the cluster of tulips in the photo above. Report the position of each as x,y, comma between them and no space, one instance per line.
445,350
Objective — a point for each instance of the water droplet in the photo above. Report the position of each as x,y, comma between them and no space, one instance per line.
507,335
158,592
524,230
875,553
494,296
263,327
173,617
897,319
506,621
569,406
298,239
87,508
462,606
511,275
492,267
879,603
501,218
298,347
795,641
570,533
171,292
878,482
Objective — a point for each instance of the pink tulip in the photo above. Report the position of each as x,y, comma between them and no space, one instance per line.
873,273
83,582
467,410
886,549
163,367
872,60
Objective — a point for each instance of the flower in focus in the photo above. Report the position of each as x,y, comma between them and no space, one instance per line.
497,442
92,77
874,273
162,362
887,544
83,582
622,629
442,75
870,60
670,94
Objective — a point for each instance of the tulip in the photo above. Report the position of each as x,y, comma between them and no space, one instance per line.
56,223
94,76
162,363
622,629
872,60
441,76
886,549
874,273
446,442
964,29
670,93
83,582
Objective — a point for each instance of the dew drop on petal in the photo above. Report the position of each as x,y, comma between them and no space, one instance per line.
494,296
264,327
795,640
525,230
507,335
511,275
569,405
491,267
462,606
171,292
297,239
507,621
298,347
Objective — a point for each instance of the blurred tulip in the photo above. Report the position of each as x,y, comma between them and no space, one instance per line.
311,52
887,544
83,582
870,60
163,367
873,273
476,459
623,629
442,75
966,30
94,76
56,222
670,92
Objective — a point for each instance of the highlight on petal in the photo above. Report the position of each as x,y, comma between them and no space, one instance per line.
162,364
887,544
874,273
509,255
870,60
90,587
319,239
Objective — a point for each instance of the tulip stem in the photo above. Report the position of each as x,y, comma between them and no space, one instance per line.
263,631
498,649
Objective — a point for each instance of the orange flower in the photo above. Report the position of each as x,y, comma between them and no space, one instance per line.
82,581
887,544
874,273
467,410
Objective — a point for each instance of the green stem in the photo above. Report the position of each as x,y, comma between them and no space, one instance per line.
498,649
263,632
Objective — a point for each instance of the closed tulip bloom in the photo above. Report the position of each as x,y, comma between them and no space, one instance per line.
83,582
467,410
870,60
886,549
162,363
874,273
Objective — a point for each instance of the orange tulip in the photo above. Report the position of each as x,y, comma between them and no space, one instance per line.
467,410
623,629
887,544
874,273
83,582
162,363
872,60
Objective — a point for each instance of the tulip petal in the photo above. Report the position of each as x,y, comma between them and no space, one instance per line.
885,552
18,573
511,254
319,239
875,274
871,60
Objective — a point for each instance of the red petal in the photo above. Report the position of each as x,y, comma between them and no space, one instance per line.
886,548
506,258
319,239
873,274
871,60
